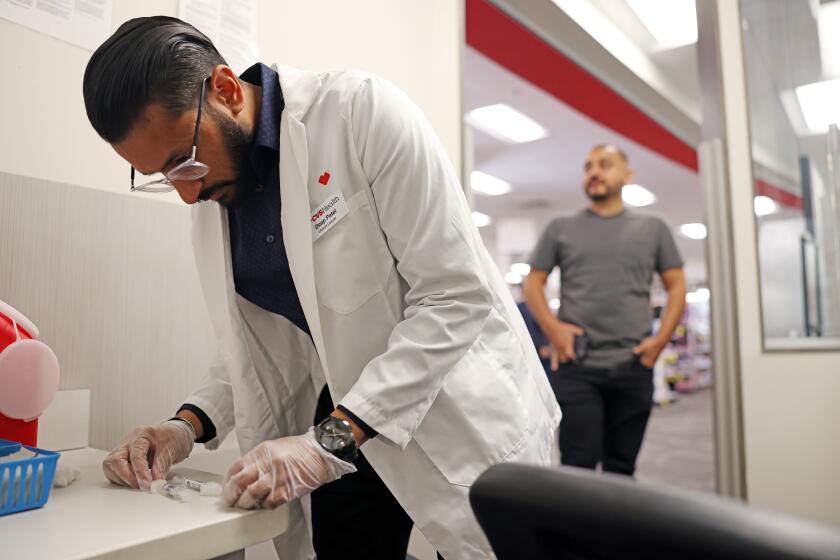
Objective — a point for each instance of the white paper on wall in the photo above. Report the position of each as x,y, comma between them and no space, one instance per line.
230,24
85,23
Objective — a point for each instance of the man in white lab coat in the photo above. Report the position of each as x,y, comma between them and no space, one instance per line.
342,272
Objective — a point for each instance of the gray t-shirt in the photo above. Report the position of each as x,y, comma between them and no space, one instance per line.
606,267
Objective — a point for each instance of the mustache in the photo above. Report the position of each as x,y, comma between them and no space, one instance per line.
592,181
208,192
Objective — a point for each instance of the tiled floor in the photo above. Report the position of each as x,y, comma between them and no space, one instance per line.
678,448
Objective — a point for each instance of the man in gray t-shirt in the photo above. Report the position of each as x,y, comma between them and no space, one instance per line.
607,257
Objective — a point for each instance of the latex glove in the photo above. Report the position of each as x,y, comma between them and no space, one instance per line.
163,445
278,471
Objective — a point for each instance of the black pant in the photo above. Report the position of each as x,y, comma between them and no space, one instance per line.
605,413
356,516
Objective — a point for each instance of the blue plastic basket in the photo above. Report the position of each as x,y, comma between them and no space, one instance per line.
25,484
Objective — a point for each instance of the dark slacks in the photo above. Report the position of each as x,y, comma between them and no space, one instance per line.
605,413
356,516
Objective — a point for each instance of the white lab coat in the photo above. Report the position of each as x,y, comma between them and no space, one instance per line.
414,329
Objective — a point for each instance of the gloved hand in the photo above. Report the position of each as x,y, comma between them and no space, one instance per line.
281,470
163,445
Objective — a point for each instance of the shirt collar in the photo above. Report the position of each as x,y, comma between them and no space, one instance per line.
267,133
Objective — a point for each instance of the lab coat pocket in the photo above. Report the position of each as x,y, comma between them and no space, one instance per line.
352,261
479,417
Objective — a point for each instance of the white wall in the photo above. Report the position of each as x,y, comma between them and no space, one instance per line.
789,399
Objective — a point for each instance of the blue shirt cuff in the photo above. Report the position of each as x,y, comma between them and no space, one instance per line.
369,432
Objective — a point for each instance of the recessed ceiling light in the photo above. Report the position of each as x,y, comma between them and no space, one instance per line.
513,278
828,22
794,113
693,231
818,102
521,269
764,205
481,220
506,123
487,184
637,195
554,304
673,23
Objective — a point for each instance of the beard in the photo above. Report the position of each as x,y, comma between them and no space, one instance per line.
238,143
601,195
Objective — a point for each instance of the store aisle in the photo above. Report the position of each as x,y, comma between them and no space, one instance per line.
678,448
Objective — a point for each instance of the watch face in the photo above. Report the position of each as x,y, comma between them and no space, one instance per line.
335,435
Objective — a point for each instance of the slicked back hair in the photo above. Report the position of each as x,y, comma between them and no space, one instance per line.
156,59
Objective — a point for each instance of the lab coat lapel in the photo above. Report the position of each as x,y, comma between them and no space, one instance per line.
212,251
294,217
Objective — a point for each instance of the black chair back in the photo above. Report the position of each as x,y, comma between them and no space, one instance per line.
534,513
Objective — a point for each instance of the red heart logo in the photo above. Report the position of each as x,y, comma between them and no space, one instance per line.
324,179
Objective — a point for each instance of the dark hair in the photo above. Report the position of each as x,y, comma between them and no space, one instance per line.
156,59
612,147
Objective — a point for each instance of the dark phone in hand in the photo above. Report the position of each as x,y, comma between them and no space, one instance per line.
581,345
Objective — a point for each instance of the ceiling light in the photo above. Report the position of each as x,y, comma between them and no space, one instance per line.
794,113
673,23
481,220
764,205
506,123
487,184
693,231
637,195
554,304
513,278
828,20
521,269
818,102
698,296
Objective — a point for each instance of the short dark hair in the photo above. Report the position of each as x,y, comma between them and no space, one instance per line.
149,59
612,147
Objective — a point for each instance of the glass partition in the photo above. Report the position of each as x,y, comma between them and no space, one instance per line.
792,62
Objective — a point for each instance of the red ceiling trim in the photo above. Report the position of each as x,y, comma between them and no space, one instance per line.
778,194
508,43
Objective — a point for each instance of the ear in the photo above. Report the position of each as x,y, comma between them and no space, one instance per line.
224,90
628,176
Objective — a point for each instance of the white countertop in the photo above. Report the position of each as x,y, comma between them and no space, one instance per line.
93,518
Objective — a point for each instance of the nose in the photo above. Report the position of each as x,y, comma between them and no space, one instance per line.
188,190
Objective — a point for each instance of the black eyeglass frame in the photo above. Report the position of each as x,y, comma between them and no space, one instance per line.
188,170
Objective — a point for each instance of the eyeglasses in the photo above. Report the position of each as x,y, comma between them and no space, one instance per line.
188,170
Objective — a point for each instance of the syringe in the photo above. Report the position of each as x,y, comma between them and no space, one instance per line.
171,490
203,488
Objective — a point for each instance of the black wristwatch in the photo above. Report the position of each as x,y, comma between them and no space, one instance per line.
336,436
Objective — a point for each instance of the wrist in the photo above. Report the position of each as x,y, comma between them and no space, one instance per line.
662,341
193,420
554,324
185,425
188,431
358,434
